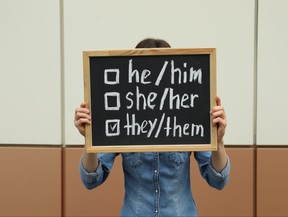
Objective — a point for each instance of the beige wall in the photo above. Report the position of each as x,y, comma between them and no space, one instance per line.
226,25
41,84
272,73
30,72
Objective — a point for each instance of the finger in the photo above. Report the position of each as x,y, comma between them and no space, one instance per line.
216,108
81,122
219,121
83,105
82,110
79,115
218,113
218,105
218,101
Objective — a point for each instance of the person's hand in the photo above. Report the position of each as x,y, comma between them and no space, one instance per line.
219,118
81,118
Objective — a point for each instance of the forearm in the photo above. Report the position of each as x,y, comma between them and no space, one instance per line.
89,161
219,157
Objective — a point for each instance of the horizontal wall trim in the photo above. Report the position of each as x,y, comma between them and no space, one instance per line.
29,146
81,146
272,146
74,146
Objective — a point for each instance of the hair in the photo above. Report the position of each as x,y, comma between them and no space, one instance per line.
153,43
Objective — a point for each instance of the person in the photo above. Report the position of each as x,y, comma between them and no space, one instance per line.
157,183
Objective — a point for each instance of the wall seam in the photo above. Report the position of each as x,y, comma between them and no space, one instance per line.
256,20
255,70
62,63
62,70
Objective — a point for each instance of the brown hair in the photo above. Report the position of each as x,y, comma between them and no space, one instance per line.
152,43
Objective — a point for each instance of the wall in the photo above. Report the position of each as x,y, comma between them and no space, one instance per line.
42,83
271,120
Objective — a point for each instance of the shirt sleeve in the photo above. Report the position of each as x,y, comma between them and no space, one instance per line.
94,179
215,179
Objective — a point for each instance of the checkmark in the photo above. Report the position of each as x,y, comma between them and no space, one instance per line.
112,127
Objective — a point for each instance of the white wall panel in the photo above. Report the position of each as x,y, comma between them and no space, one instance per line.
30,75
272,73
112,24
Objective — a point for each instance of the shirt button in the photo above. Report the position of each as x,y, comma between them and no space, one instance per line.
156,191
155,171
156,211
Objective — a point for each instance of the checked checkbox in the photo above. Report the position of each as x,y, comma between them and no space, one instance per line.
112,127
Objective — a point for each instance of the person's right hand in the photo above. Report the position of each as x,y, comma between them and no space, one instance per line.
81,118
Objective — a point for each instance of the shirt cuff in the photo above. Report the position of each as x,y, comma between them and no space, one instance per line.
90,177
224,174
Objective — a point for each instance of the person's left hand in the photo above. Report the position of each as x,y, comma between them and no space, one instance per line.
218,118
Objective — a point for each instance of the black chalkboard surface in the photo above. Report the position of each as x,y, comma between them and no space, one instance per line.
150,99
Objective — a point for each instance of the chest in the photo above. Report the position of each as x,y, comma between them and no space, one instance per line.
148,165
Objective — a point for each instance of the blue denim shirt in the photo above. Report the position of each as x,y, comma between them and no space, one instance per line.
157,183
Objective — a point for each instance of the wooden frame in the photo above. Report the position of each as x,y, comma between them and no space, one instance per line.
154,52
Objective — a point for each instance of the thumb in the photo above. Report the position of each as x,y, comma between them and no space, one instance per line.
218,101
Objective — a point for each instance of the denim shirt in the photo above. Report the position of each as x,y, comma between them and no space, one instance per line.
157,183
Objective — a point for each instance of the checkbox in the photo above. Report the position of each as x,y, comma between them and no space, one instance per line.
112,127
112,101
111,76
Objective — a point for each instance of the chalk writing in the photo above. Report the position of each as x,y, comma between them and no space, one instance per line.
141,102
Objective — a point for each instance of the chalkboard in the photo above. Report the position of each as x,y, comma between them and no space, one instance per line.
150,99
